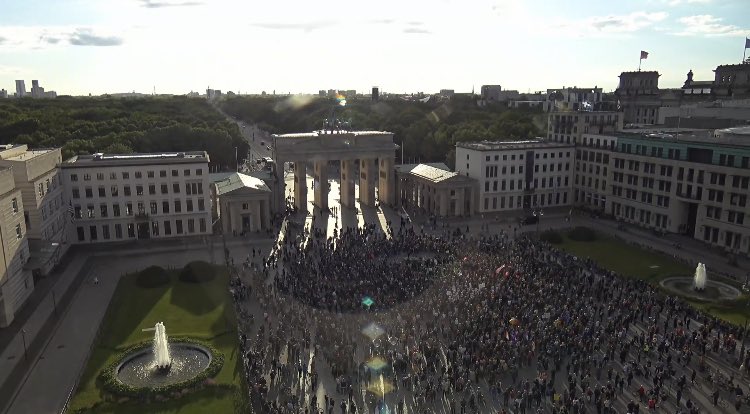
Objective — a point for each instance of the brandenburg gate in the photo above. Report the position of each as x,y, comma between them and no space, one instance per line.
373,150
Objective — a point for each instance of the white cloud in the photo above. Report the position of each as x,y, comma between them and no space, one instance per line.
40,37
708,25
678,2
608,25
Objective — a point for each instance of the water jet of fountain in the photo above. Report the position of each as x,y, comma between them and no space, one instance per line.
162,359
699,280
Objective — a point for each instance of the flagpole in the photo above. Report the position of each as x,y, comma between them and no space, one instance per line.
639,64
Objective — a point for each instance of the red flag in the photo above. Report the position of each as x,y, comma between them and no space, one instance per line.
644,55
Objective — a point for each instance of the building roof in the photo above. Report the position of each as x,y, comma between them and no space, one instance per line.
510,145
435,172
236,181
742,130
28,155
108,160
695,83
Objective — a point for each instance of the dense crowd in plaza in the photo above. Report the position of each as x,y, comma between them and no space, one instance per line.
461,324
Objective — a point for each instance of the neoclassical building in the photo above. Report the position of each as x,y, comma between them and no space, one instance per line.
241,202
436,189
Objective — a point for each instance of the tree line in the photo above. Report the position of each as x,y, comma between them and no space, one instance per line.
428,131
122,125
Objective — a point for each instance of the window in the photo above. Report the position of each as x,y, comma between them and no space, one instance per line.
164,189
102,192
81,234
118,231
129,209
151,189
89,192
139,190
138,174
77,212
177,206
154,228
105,232
201,204
114,191
92,233
165,207
189,205
86,177
14,205
141,208
176,188
100,176
113,175
200,188
125,175
186,173
178,223
74,177
167,228
191,225
187,189
116,210
150,174
163,173
175,173
153,207
127,190
131,230
90,211
103,210
198,171
19,234
203,223
76,193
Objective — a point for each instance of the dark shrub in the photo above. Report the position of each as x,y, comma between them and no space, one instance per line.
197,272
583,234
551,236
152,277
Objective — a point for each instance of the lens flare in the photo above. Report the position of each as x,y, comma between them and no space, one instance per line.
341,99
373,331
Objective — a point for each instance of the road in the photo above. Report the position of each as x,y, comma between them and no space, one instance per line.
258,139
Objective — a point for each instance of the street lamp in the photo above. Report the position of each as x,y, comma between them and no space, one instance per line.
538,213
23,338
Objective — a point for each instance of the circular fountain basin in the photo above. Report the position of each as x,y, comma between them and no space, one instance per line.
714,290
139,370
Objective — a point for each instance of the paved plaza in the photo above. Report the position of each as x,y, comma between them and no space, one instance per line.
288,350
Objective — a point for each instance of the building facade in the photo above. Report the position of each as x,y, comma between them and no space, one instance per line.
36,175
16,284
435,189
242,203
514,175
694,183
137,196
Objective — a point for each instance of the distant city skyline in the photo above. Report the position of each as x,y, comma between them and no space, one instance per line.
79,47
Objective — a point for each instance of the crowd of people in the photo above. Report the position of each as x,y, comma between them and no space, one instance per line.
460,324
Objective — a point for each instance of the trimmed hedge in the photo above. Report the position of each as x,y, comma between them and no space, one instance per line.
583,234
551,236
152,277
108,381
197,272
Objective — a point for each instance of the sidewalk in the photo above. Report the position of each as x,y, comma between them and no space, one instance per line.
58,346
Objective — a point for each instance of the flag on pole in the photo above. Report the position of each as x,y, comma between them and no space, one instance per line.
644,54
747,43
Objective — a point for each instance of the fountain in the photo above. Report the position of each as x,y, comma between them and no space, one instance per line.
162,363
699,280
162,359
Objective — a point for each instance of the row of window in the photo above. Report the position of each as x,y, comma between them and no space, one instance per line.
549,199
595,183
148,230
44,187
137,174
548,182
90,211
593,156
114,191
581,167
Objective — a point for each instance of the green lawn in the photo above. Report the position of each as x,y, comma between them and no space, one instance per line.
651,266
199,310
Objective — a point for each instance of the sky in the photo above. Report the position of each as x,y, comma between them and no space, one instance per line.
79,47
